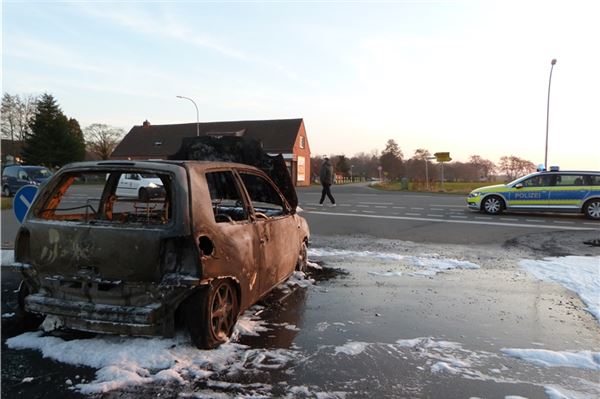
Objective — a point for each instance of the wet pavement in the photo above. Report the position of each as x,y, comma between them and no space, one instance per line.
370,326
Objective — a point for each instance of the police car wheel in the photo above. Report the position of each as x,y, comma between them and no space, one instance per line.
592,209
492,205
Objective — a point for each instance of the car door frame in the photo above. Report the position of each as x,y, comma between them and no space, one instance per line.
275,266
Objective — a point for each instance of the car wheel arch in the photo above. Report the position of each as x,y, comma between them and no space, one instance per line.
503,200
587,202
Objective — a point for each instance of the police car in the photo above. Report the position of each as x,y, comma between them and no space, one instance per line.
552,191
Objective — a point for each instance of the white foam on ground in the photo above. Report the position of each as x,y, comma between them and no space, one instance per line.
351,348
547,358
7,257
425,265
580,274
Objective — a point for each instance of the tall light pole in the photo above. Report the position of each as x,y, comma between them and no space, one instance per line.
426,171
548,113
197,115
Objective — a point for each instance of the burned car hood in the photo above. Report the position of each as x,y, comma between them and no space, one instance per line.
240,150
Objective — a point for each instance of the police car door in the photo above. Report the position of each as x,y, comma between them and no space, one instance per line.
531,193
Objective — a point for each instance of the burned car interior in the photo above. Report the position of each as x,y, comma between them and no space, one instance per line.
89,197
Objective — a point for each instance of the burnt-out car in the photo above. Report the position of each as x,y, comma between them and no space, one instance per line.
220,237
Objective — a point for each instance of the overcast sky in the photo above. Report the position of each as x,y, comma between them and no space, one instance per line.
468,77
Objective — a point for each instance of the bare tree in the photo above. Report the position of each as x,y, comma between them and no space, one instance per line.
102,139
484,166
16,114
514,166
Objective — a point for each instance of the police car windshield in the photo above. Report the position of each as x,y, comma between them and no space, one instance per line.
512,183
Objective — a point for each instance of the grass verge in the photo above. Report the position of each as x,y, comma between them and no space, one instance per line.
449,187
6,203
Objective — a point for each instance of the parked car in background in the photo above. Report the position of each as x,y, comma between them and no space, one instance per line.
16,176
218,238
549,191
141,185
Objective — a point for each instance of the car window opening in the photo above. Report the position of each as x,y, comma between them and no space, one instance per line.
226,200
101,198
265,199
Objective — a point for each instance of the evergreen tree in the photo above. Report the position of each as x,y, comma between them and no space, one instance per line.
391,159
55,140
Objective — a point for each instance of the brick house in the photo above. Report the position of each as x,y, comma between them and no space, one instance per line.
278,136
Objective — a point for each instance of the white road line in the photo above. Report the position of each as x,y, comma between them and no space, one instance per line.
344,205
377,203
368,211
535,220
561,222
417,209
436,210
593,224
381,207
362,206
412,214
457,216
451,206
482,217
365,195
399,207
510,219
535,226
435,216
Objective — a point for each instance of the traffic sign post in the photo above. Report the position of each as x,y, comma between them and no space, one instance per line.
442,157
23,200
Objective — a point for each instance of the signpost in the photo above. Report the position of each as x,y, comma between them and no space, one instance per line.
23,200
442,157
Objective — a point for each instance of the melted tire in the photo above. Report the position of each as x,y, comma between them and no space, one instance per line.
210,314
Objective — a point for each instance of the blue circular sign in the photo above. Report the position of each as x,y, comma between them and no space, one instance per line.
23,200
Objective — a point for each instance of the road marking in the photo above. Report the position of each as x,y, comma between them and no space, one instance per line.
436,210
535,226
412,214
365,195
368,211
535,220
399,207
593,224
362,206
417,209
451,206
561,222
377,203
345,205
381,207
482,217
510,219
435,216
457,216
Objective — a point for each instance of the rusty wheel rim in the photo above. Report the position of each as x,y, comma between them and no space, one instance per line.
221,312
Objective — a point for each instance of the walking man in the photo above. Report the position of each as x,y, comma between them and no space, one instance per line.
326,177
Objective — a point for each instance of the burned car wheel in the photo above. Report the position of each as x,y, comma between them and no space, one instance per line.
211,314
302,263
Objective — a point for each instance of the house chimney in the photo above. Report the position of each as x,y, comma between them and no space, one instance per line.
146,123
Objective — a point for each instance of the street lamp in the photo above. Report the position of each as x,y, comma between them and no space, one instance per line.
197,114
548,114
351,166
427,172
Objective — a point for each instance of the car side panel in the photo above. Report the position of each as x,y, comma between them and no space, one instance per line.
235,245
568,196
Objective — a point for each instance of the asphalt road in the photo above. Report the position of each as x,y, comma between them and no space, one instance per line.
418,217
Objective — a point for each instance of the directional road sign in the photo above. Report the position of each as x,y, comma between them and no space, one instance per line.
23,200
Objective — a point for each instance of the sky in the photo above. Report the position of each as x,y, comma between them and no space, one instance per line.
465,77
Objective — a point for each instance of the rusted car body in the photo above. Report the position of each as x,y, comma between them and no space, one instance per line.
222,236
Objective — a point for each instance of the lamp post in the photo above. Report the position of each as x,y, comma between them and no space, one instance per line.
197,115
427,172
351,166
548,114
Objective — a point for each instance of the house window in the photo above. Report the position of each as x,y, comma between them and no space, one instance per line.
302,144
